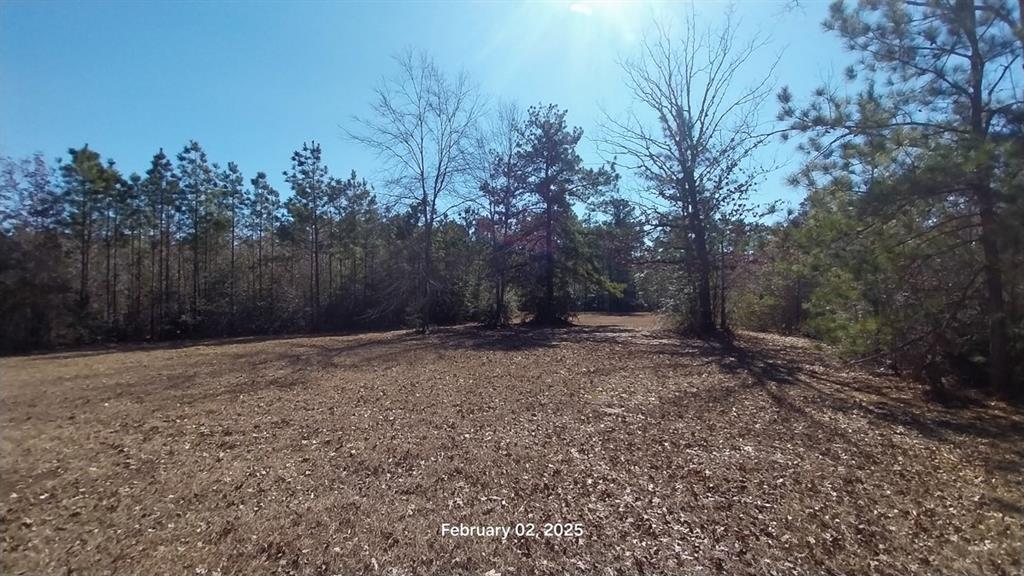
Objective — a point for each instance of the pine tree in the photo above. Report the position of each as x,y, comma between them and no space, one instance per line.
264,212
161,192
555,176
939,99
233,198
195,179
309,180
86,181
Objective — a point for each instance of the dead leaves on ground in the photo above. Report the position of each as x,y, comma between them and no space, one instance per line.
344,455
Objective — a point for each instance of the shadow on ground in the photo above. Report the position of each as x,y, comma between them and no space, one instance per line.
807,383
788,371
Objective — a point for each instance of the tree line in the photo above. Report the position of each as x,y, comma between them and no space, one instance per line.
191,248
906,250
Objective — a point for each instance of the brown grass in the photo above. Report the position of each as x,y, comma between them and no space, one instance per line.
344,455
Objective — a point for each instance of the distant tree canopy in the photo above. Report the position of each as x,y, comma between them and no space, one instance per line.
907,248
193,250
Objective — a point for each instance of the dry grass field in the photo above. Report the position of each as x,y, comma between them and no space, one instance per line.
346,454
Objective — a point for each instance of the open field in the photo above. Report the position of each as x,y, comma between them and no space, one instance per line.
346,454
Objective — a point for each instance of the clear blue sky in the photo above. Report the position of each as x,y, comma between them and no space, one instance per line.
252,81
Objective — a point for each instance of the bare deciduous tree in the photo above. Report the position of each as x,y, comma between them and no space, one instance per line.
691,137
422,128
501,176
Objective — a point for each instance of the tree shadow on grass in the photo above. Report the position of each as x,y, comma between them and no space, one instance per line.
524,337
805,383
764,368
517,337
799,380
183,344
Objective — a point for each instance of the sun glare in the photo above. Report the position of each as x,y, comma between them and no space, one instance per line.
615,17
590,7
581,8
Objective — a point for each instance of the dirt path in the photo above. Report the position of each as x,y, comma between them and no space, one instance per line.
347,455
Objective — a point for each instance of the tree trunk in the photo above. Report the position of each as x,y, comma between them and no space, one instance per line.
354,280
83,280
705,322
316,273
273,292
153,298
366,264
195,257
204,286
180,282
232,294
1000,370
428,269
165,266
499,298
107,244
113,292
312,265
723,320
547,311
259,268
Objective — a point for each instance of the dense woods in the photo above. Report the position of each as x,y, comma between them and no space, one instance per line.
907,251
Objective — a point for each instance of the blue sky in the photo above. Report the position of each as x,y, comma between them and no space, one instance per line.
252,81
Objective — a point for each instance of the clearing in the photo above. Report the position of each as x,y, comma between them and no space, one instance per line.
346,454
